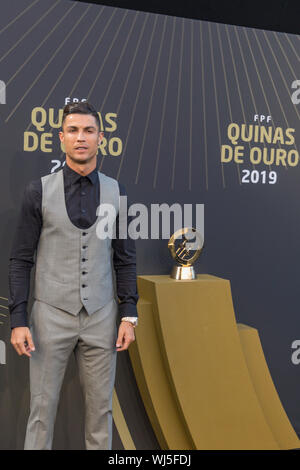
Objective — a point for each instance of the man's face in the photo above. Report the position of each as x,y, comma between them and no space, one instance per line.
81,137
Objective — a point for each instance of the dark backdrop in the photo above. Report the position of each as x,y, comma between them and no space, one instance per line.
175,85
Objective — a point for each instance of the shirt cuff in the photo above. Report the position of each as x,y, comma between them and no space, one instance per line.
18,319
127,310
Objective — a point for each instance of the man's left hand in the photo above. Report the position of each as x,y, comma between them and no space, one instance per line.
125,336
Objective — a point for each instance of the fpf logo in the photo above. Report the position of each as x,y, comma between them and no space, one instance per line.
2,92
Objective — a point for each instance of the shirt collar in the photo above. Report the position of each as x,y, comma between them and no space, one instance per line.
72,176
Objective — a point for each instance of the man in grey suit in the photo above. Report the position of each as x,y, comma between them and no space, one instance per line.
75,306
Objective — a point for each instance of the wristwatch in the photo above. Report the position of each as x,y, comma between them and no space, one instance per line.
132,320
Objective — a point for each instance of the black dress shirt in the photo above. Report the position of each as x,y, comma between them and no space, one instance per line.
82,200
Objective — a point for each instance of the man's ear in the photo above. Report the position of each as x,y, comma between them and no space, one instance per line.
101,135
61,136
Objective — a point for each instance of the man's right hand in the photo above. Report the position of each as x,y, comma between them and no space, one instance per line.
21,340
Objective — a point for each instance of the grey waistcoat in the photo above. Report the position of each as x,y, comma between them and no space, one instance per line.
73,266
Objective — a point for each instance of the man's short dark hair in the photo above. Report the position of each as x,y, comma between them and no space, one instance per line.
83,107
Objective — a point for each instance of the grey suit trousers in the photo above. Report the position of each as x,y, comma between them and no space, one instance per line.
56,334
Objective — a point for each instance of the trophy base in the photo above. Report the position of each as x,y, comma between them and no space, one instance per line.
183,273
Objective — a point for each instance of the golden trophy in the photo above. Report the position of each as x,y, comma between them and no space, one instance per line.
185,252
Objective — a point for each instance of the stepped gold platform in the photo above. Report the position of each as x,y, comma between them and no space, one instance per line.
203,378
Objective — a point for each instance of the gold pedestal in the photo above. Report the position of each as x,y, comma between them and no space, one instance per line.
203,378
